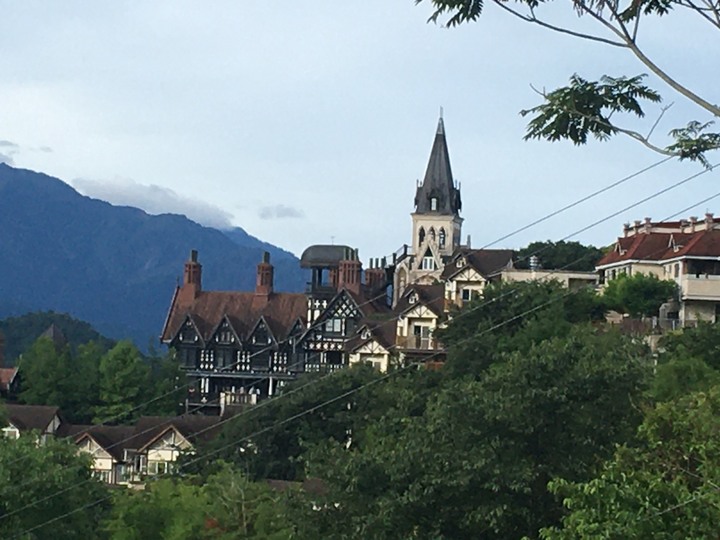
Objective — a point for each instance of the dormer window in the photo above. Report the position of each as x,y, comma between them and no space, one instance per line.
413,298
460,263
433,204
428,262
365,333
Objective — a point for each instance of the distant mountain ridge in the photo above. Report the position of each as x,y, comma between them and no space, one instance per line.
113,266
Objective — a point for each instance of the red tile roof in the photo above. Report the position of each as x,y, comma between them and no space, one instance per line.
663,246
6,377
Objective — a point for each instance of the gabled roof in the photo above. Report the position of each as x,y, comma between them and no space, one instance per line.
438,181
194,427
7,376
31,417
663,246
487,262
208,309
383,332
54,334
430,296
110,438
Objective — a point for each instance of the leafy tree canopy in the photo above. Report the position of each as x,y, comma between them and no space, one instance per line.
600,108
664,488
560,255
476,462
639,295
29,472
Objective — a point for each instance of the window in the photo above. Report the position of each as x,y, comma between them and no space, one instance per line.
428,263
433,204
103,476
441,238
466,295
159,467
225,358
333,326
677,270
432,235
421,235
261,335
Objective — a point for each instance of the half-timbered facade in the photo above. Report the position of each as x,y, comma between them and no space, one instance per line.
234,346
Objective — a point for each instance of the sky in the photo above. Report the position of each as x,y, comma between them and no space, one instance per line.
310,122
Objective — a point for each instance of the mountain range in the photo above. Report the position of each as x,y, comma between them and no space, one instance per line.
113,266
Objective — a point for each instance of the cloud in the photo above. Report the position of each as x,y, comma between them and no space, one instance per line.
280,211
154,199
9,149
45,149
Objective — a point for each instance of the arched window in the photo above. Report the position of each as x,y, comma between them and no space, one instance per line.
432,234
441,238
421,235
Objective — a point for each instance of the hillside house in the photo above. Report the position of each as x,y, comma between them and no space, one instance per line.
685,251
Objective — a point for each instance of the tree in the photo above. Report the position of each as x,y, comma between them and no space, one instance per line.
512,317
29,473
167,383
47,373
667,486
587,108
223,507
476,462
123,384
560,255
639,295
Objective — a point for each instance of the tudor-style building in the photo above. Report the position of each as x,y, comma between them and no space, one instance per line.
234,346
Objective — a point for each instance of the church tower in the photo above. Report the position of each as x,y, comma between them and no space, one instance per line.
436,221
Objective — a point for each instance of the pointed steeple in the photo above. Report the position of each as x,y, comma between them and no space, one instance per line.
437,194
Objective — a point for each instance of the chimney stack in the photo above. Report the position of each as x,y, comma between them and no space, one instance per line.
265,274
375,276
192,279
350,273
693,223
648,225
709,221
626,229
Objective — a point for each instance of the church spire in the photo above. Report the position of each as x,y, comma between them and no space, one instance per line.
437,194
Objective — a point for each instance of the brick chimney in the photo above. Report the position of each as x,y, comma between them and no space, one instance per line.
350,273
264,280
693,223
192,280
375,275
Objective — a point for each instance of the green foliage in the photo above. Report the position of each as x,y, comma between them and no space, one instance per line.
48,375
664,488
585,108
639,295
476,462
693,142
701,342
276,453
226,506
514,316
560,255
29,473
21,332
683,376
122,385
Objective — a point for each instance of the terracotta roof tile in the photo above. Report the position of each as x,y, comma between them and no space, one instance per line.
242,309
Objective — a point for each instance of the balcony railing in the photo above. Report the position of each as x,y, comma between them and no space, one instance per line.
700,287
418,343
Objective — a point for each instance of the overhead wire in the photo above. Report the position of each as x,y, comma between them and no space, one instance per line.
480,305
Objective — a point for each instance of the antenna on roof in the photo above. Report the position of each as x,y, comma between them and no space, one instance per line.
332,240
441,112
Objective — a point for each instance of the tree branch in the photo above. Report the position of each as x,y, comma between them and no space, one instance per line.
662,113
533,19
702,12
